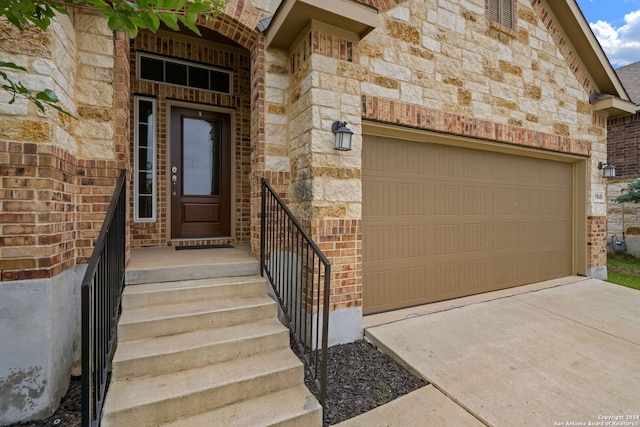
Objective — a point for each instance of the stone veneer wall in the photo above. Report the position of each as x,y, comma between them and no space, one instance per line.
326,188
57,176
434,66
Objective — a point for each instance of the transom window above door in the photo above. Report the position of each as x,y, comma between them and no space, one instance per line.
176,72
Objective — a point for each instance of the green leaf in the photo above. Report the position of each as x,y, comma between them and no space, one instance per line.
22,89
193,17
40,105
174,4
115,22
100,4
143,4
59,8
199,8
62,110
138,21
12,65
189,24
47,95
15,19
151,21
170,19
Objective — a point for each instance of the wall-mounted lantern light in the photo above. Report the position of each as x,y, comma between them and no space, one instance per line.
343,136
608,171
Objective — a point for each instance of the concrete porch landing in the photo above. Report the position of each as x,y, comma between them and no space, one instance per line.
168,264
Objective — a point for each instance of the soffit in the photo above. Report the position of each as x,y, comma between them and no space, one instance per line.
614,107
293,16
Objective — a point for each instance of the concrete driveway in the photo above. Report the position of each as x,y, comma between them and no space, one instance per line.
565,352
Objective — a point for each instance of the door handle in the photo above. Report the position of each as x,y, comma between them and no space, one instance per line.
174,178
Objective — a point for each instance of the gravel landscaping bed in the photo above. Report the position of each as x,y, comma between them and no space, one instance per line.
360,378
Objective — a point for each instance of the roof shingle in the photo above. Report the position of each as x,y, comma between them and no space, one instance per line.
630,77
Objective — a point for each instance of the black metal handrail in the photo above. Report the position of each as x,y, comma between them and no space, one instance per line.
300,276
102,288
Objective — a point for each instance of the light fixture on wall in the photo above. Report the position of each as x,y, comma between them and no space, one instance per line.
608,171
343,136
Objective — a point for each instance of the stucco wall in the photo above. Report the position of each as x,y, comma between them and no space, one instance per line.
57,175
40,329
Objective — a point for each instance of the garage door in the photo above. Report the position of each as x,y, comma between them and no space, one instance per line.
442,222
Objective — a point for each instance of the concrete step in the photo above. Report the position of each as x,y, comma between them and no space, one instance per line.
293,407
163,293
157,400
174,353
174,319
191,272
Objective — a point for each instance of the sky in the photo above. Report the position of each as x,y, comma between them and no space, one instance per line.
616,25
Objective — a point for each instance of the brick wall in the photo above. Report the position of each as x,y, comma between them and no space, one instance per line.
597,234
58,173
624,146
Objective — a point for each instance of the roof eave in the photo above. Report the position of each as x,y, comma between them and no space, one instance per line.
293,16
615,107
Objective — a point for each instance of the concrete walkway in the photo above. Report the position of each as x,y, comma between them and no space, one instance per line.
549,354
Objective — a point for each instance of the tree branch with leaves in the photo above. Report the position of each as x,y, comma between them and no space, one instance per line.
129,16
632,195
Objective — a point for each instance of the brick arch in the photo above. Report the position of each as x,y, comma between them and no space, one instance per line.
237,22
382,5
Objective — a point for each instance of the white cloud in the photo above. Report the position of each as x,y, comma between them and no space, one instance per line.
622,45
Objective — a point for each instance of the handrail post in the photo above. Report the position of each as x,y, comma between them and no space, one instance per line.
263,217
325,333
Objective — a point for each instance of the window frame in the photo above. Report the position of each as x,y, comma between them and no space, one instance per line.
136,157
512,27
188,64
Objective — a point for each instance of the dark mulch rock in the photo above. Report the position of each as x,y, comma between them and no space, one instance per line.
69,412
361,378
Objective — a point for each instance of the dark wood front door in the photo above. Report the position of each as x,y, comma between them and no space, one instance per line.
200,174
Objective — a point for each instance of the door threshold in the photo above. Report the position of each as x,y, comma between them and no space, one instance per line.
211,246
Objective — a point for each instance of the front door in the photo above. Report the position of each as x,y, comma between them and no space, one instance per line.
200,174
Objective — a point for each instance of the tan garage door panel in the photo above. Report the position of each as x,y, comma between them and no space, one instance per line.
441,222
